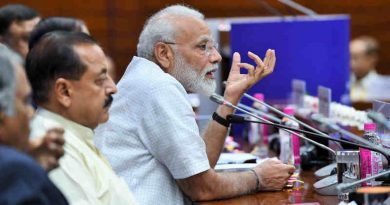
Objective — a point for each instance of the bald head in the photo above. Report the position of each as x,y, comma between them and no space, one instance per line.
364,55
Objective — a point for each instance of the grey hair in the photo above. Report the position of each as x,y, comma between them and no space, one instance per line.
8,62
160,28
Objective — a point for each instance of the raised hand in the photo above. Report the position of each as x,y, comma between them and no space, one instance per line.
237,83
48,149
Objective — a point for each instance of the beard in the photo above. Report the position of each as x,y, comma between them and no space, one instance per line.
191,80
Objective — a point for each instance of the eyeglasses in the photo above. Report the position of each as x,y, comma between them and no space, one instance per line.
206,49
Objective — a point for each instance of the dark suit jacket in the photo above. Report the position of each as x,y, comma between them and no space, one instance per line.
23,181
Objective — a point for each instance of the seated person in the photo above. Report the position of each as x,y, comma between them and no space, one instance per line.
56,24
64,24
22,180
365,83
152,138
68,75
16,23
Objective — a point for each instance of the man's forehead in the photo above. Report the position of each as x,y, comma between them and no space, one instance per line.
91,54
87,51
194,29
22,25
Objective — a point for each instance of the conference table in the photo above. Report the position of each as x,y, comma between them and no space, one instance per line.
305,194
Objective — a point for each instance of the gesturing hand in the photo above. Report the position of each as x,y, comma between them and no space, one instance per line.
238,84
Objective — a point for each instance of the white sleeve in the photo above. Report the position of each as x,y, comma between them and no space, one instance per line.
172,133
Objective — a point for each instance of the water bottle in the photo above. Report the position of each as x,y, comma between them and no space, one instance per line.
289,143
371,162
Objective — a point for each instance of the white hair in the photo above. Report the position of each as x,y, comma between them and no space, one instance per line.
191,80
8,62
160,28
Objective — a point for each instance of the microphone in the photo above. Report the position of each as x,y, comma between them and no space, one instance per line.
319,118
331,181
285,115
343,186
241,119
379,118
322,120
220,100
260,113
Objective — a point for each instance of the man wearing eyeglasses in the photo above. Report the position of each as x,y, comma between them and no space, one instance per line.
152,139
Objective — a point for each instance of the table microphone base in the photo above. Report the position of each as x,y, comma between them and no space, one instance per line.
327,186
326,171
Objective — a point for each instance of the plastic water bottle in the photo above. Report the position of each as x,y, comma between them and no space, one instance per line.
258,133
371,162
289,143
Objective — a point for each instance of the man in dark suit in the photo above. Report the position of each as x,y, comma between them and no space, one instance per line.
22,179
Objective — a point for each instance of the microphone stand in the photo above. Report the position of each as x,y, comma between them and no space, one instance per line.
344,186
333,126
337,128
285,115
220,100
259,112
379,118
240,119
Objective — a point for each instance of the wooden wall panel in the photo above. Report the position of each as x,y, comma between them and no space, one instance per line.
117,23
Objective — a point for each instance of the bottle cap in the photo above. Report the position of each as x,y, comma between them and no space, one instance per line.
369,126
289,110
259,96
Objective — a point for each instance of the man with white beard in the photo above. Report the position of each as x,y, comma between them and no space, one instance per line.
152,139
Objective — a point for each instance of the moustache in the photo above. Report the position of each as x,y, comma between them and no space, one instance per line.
210,68
108,101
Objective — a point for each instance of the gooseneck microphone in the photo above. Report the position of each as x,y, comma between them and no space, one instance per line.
259,112
220,100
364,143
285,115
241,119
379,118
325,121
344,186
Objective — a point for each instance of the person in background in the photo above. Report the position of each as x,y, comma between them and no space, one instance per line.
64,24
22,179
152,138
16,23
364,59
56,24
68,75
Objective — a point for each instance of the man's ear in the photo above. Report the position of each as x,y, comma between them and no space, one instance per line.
164,56
63,90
